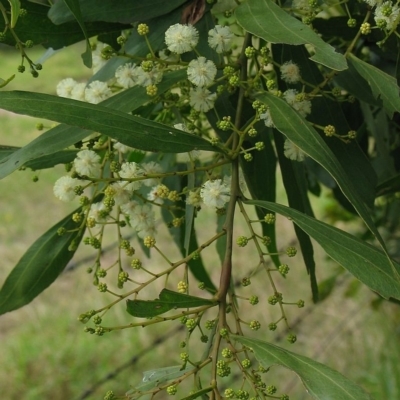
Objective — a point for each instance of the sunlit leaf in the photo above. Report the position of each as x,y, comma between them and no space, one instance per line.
168,300
15,8
364,261
270,22
62,136
155,377
320,381
383,86
133,131
39,266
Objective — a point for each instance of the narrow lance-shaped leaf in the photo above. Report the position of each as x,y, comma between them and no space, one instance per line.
155,377
168,300
321,382
294,180
303,135
125,11
62,136
40,265
130,130
37,27
382,85
364,261
15,8
74,7
268,21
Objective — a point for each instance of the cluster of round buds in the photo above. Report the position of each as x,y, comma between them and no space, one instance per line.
242,241
184,356
291,251
274,299
149,241
191,324
136,263
210,324
223,369
182,287
109,395
253,300
259,106
271,389
269,218
246,363
227,353
242,394
291,338
365,28
284,269
225,124
246,281
255,325
172,390
329,130
272,326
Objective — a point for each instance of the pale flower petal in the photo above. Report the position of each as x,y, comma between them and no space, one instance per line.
181,38
215,193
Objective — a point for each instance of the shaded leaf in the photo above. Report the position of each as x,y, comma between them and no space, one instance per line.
262,187
37,27
39,266
364,261
74,8
354,83
168,300
383,86
294,180
268,21
320,381
389,186
125,11
303,135
326,111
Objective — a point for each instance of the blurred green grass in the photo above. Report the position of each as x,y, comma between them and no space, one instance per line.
46,355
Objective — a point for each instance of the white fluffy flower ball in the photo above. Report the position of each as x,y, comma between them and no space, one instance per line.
64,188
65,87
87,162
97,91
201,99
266,117
131,170
201,72
151,168
293,152
127,75
78,92
220,38
290,72
181,38
215,193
